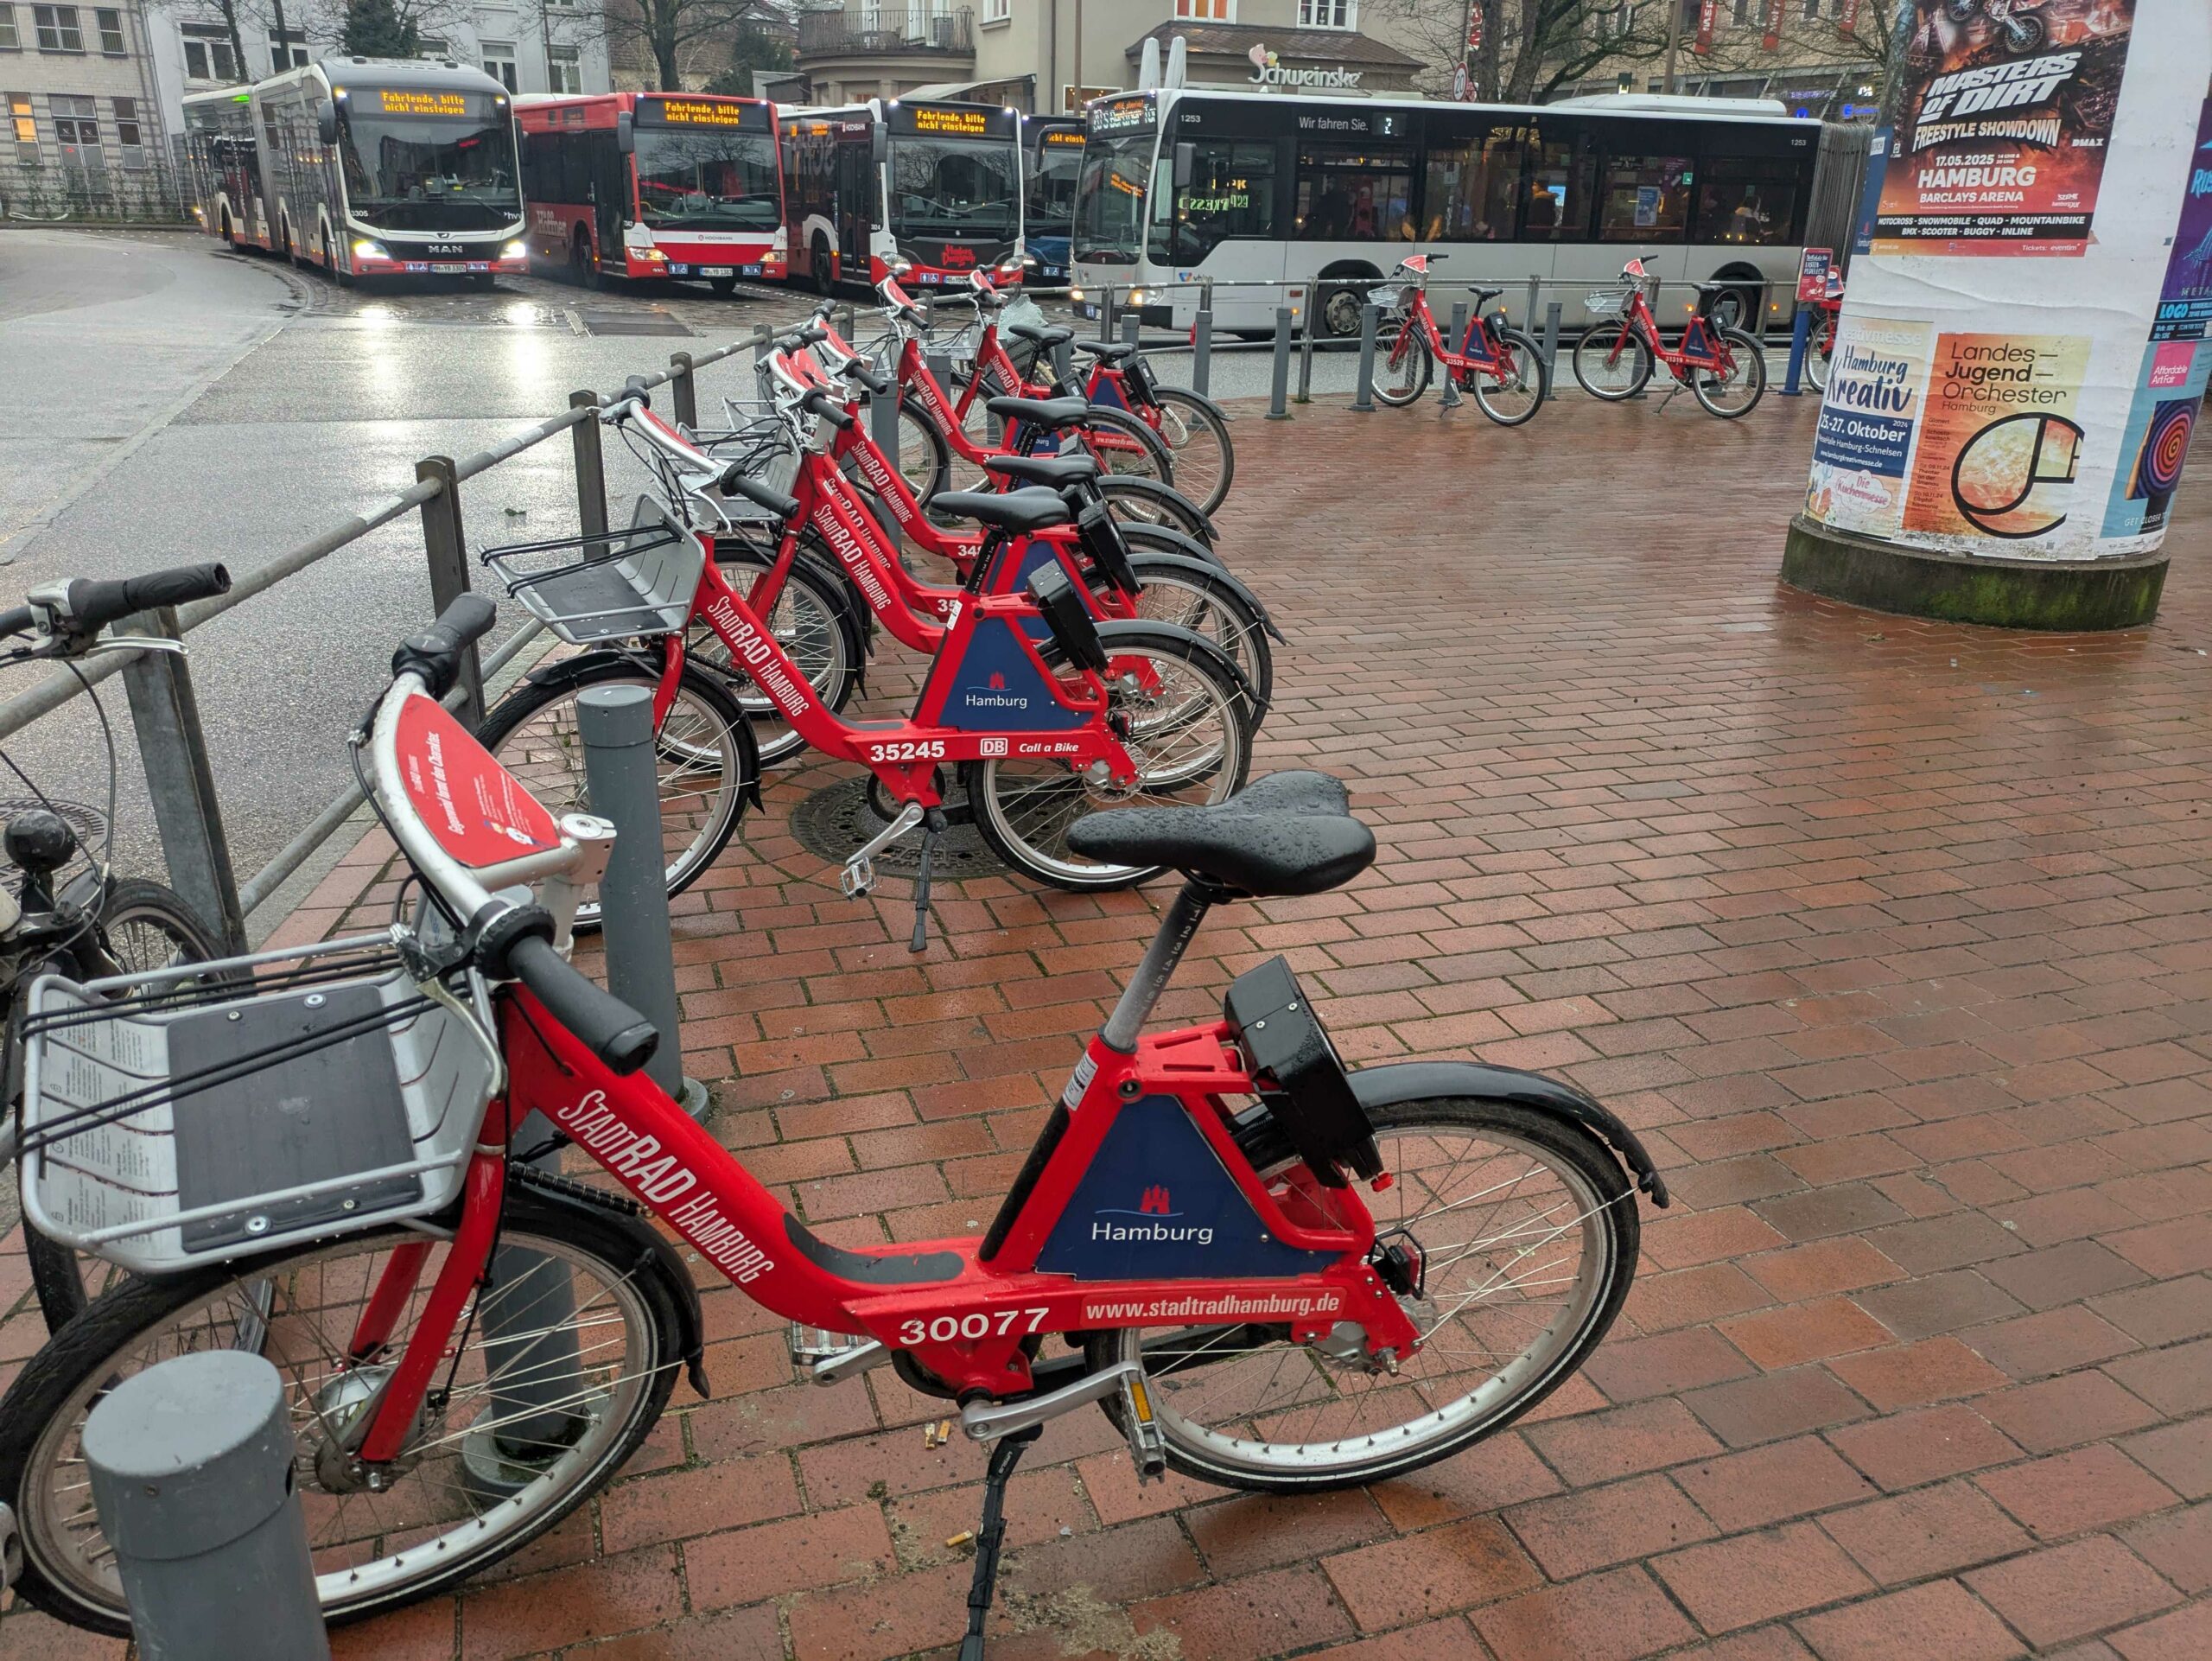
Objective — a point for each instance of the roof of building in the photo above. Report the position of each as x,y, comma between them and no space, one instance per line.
1235,40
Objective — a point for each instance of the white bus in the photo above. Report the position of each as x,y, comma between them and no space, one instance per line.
1327,195
364,167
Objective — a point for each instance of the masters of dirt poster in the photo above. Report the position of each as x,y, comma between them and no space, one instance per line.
2005,109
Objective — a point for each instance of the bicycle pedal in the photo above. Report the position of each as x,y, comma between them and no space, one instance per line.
858,878
1148,1441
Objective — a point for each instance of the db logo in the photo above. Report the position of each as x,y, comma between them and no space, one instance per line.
992,746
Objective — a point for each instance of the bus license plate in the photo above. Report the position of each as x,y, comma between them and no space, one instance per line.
676,269
1086,308
718,270
448,266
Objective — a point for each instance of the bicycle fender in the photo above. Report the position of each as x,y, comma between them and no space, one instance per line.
1412,1081
656,1255
1165,540
1207,403
568,671
1137,484
1141,558
1121,627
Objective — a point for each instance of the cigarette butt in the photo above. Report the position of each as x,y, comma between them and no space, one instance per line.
966,1536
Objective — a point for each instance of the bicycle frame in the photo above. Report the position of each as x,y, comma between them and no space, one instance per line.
1479,347
1702,347
1136,1118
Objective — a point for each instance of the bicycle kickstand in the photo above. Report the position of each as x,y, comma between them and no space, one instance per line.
933,825
990,1535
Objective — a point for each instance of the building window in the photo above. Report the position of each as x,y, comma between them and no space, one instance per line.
57,29
499,62
19,112
1207,11
998,11
434,50
76,129
1328,14
208,54
287,50
126,132
110,27
565,69
10,40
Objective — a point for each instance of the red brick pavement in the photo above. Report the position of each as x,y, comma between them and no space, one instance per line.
1892,939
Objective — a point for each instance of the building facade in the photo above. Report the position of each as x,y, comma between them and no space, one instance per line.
1814,68
1051,55
87,137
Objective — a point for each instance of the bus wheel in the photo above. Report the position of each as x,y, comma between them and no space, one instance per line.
343,277
581,265
1737,309
824,282
1336,308
724,286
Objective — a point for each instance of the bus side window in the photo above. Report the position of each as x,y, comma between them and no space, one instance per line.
1355,193
1750,201
1645,199
1556,203
1472,189
1231,193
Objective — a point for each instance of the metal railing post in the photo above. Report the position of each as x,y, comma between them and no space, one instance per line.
1202,341
1552,313
1452,400
1535,299
1279,388
190,1464
683,388
448,552
1106,313
591,467
1306,356
180,780
1063,362
1129,330
883,421
1363,392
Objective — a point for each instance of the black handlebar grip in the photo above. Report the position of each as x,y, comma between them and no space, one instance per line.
435,654
94,603
812,333
820,402
635,387
601,1022
861,370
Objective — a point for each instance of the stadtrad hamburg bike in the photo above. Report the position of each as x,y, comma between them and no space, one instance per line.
1502,366
1268,1272
1724,368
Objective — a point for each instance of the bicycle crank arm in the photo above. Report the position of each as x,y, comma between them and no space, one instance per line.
858,876
1147,1444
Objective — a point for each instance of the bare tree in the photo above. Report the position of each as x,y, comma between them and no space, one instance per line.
668,34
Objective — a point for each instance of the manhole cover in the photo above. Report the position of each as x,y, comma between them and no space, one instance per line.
832,822
609,323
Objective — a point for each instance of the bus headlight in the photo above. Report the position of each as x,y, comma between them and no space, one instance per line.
364,249
1134,297
1075,293
516,249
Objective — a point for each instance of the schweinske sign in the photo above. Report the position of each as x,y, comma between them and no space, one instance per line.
1268,71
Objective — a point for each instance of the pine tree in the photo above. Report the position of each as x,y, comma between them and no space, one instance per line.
374,29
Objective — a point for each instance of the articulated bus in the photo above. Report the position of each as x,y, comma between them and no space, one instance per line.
1051,160
653,184
364,167
937,187
1326,195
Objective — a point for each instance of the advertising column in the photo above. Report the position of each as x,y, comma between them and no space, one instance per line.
2023,349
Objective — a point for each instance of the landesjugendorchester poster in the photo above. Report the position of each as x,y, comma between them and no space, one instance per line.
1999,135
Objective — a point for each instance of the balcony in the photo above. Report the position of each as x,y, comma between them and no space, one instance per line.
887,32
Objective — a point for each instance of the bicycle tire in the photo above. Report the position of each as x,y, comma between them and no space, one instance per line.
1117,462
1601,342
1212,609
1225,692
59,1272
924,455
1819,353
1409,355
714,716
1202,421
1752,356
1146,501
84,1359
816,619
1611,1232
1529,359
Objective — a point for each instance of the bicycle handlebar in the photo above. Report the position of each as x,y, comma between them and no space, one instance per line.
94,603
434,656
601,1022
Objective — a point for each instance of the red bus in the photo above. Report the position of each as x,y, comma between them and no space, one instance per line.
652,184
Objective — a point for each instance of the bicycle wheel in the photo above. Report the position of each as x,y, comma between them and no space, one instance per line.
1188,726
924,455
709,763
1528,1231
1212,610
1402,364
816,623
1735,392
1517,391
145,926
1820,352
1146,501
1611,363
433,1525
1123,446
1197,436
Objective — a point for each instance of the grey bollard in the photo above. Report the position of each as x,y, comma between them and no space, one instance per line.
1453,340
1551,349
1363,392
1106,313
1202,344
191,1469
1130,329
883,421
1063,363
1305,355
1279,389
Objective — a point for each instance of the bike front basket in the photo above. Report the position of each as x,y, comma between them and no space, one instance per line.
212,1112
1604,303
619,585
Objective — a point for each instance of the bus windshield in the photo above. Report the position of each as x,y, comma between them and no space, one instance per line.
1109,196
422,173
1053,170
708,180
954,188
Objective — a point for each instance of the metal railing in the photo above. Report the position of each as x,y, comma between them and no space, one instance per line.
173,750
887,31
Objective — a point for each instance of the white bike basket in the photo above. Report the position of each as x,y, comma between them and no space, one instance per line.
201,1114
593,589
1604,303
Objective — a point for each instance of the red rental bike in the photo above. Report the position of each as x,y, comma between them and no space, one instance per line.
1819,343
1724,368
1500,365
1269,1273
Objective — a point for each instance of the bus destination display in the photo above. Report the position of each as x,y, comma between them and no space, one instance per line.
408,100
703,112
1121,115
947,121
1061,138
